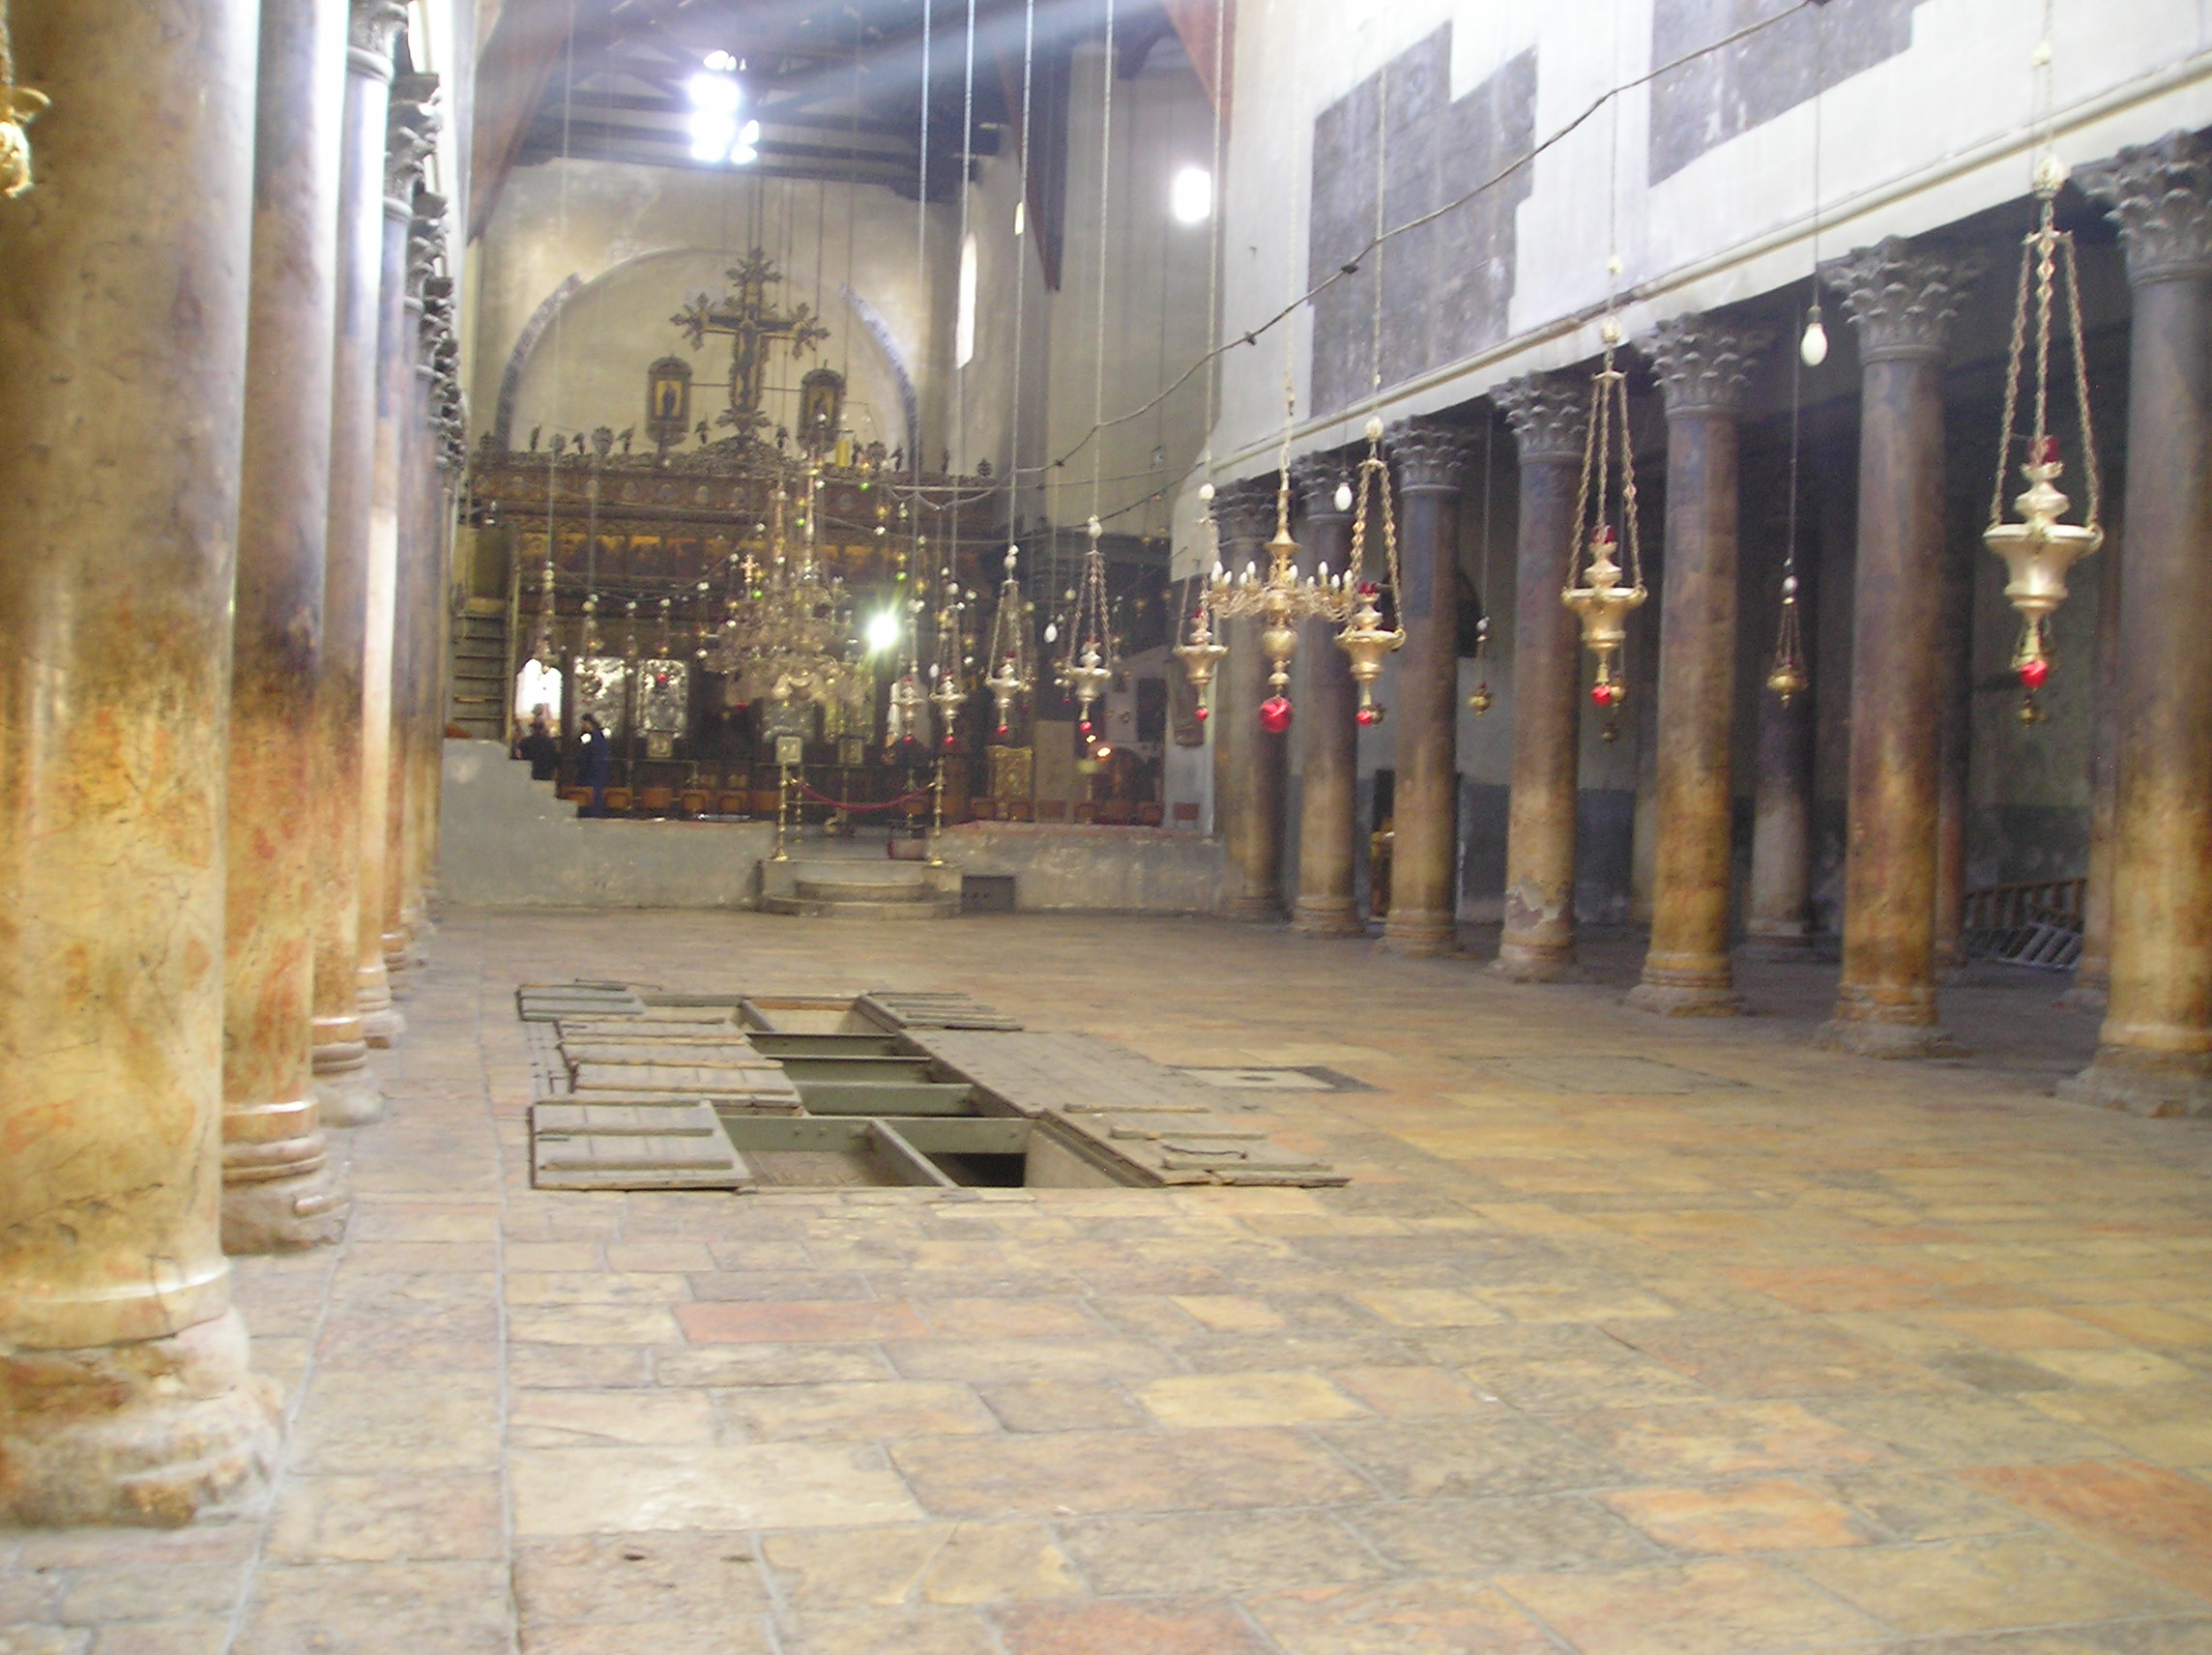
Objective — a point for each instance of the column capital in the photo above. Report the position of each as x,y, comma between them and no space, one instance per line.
1548,413
411,134
2160,194
1246,510
1428,456
1315,476
371,26
1900,298
1703,364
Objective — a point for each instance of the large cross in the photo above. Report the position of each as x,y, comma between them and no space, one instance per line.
745,314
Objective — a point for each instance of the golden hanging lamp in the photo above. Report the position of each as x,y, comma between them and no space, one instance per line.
1787,677
1013,674
1594,589
1087,672
1364,640
2038,549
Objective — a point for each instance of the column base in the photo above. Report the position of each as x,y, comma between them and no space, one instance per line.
1685,999
1536,962
150,1434
1333,918
1254,910
1874,1039
380,1021
1780,945
1416,936
280,1197
2154,1084
2088,994
346,1089
380,1026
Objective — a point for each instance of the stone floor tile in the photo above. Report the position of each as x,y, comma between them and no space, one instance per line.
753,1285
1728,1606
770,1485
1063,1405
537,1287
32,1639
1004,1360
1231,1313
1775,1516
1195,1401
1922,1505
719,1365
569,1367
191,1637
908,1631
1722,1439
1772,1358
577,1418
1429,1307
2153,1518
2025,1329
1408,1617
1411,1393
747,1636
1991,1583
943,1564
523,1257
381,1422
598,1323
674,1256
2147,1324
1840,1287
1215,1552
1963,1428
146,1591
1007,1318
1171,1626
2112,1369
1483,1537
377,1609
1475,1455
384,1519
653,1579
2170,1425
1078,1473
797,1322
878,1411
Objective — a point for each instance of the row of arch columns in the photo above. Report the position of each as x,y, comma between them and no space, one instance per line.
222,555
2148,951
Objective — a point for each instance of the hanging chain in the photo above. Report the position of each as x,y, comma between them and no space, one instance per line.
2092,483
1628,489
2012,359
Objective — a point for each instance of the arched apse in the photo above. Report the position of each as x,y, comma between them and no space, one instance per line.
588,366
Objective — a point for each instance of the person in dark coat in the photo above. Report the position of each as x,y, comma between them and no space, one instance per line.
595,758
539,748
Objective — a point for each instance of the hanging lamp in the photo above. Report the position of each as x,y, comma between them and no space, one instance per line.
1087,667
1014,675
1365,641
2039,548
1200,653
1595,571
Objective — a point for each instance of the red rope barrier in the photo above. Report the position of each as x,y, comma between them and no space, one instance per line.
847,804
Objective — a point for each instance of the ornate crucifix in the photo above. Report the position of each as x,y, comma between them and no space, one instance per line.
743,313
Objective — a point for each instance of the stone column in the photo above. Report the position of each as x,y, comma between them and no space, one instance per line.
1327,731
1704,367
2093,967
280,1189
1550,414
1432,463
449,411
1248,777
2154,1054
1778,923
1954,749
1901,299
408,124
344,1085
125,1394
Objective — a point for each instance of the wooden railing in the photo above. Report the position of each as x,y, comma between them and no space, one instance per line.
2048,902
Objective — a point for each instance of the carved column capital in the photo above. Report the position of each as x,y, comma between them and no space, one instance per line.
1548,413
1428,456
2160,194
1315,479
411,134
1244,513
1704,365
1900,298
371,26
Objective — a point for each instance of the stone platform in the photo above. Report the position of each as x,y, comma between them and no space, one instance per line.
858,880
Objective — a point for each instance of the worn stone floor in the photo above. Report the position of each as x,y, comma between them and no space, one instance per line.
1778,1350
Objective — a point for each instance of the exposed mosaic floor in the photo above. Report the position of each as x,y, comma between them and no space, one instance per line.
1773,1351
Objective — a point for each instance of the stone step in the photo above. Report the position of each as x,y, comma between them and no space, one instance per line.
937,908
864,890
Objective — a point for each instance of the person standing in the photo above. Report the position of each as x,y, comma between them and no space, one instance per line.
594,761
539,748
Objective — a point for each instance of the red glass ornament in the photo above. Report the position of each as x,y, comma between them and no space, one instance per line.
2033,671
1002,729
1602,694
1275,714
1364,717
2043,450
1084,727
1204,714
949,743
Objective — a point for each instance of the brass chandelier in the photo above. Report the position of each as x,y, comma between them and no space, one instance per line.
786,640
1013,673
1594,571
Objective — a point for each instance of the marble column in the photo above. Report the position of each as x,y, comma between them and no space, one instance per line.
1431,463
1327,727
279,1188
407,142
124,1392
1549,414
1778,919
1704,367
1900,298
2154,1054
1954,749
1249,775
2092,968
344,1083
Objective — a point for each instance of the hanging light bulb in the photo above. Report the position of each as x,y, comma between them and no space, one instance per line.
1344,497
1813,346
2039,549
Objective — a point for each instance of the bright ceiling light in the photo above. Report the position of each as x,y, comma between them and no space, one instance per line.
1192,197
746,150
720,60
715,101
719,93
883,631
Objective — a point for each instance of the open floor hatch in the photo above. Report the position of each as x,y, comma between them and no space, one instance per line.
640,1090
